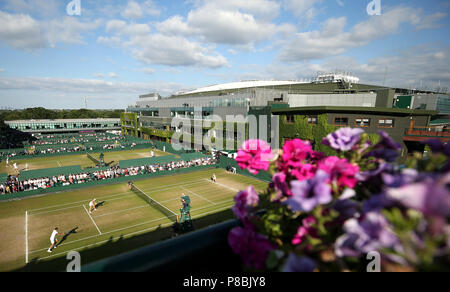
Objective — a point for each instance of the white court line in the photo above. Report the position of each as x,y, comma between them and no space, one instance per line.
58,163
195,194
116,195
129,227
92,220
134,233
74,207
134,208
26,237
216,183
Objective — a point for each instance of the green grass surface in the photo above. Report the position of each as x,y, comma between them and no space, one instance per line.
123,221
76,159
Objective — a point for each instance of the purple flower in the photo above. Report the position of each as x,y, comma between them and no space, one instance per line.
343,139
373,177
296,264
372,233
254,156
431,196
245,201
252,247
407,176
347,209
438,147
376,203
310,193
386,149
281,185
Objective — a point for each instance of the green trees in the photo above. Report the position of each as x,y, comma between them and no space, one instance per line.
40,113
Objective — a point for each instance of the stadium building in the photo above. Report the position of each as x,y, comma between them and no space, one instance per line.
64,125
336,100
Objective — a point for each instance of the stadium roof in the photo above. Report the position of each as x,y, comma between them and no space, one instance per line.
64,121
241,84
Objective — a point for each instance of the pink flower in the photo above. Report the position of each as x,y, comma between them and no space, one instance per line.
254,155
295,152
245,201
304,230
281,185
304,171
340,170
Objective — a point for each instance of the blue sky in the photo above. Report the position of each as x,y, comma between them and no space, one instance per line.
117,50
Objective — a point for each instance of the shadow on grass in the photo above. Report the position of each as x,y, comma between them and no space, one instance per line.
119,245
73,231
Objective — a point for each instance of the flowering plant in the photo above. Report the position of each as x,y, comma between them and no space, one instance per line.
329,213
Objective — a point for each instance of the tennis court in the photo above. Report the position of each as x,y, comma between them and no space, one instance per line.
76,159
122,213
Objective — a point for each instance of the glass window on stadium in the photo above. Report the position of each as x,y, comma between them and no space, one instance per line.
362,122
340,122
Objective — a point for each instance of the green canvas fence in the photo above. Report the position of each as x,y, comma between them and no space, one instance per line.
193,156
147,161
123,179
3,177
50,172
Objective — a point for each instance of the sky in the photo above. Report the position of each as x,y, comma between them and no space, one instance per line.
113,51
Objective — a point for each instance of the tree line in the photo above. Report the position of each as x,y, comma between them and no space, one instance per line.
39,113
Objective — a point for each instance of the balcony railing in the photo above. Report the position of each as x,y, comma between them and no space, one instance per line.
205,250
428,132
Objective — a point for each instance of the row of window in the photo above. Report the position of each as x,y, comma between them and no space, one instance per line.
33,126
345,122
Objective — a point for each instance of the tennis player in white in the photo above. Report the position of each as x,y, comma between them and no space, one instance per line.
53,239
92,205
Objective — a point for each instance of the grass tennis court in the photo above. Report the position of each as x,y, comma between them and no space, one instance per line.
122,222
77,159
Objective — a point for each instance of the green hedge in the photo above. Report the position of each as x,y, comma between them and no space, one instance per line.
50,172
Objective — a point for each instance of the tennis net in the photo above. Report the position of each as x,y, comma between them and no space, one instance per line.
157,205
96,161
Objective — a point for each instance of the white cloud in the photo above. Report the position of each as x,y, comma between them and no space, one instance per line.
148,71
135,10
21,31
2,70
306,10
157,48
68,30
430,21
174,51
42,8
24,32
240,23
113,75
120,27
86,86
407,69
334,40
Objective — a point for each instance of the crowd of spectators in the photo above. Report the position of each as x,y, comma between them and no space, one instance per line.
14,184
82,139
